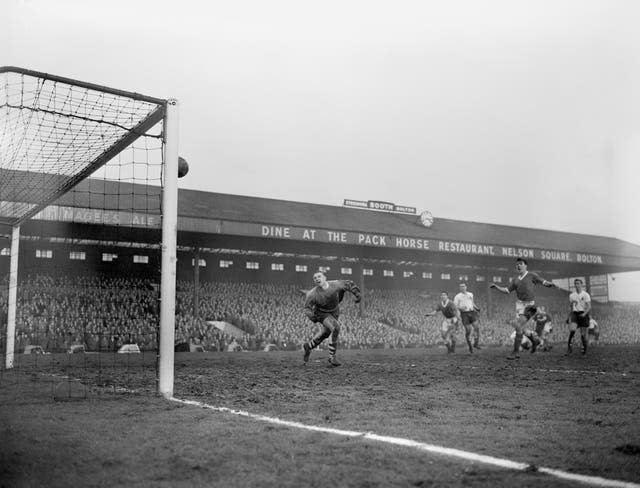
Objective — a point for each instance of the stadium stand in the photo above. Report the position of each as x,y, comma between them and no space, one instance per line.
104,313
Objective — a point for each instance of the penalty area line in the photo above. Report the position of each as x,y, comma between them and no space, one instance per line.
421,446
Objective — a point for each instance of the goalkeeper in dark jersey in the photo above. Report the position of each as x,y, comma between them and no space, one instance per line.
322,305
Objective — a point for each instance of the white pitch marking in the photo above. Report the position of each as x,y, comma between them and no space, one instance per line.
572,371
569,371
422,446
579,371
592,480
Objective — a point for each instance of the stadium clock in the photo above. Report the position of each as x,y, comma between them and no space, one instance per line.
426,218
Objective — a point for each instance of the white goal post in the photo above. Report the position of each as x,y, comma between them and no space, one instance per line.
55,132
169,254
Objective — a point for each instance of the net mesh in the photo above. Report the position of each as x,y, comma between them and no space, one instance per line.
52,133
81,173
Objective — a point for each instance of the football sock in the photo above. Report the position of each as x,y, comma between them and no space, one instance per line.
468,339
571,334
315,342
517,341
332,350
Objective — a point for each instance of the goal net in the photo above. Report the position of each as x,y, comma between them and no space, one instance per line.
88,209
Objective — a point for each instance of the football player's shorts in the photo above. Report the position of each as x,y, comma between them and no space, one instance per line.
581,320
321,316
469,317
528,309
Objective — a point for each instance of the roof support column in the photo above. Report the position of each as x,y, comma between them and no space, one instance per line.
196,282
361,312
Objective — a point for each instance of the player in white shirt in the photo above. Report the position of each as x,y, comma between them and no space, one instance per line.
469,316
580,303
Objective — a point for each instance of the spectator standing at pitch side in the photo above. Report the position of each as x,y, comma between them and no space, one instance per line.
322,305
469,316
523,284
580,303
450,322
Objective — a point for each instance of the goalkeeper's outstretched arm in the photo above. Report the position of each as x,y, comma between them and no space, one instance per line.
353,288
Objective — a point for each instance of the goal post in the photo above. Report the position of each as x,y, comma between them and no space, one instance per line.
169,252
13,295
56,135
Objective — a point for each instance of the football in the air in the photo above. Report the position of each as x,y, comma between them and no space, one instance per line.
183,167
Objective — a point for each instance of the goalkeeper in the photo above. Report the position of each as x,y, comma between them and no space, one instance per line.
322,305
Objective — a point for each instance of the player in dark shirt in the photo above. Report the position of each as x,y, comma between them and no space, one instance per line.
450,323
543,328
322,305
523,285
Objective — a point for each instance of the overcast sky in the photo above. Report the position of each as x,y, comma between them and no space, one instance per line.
510,112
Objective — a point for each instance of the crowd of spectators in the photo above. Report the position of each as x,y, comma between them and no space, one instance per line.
103,313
